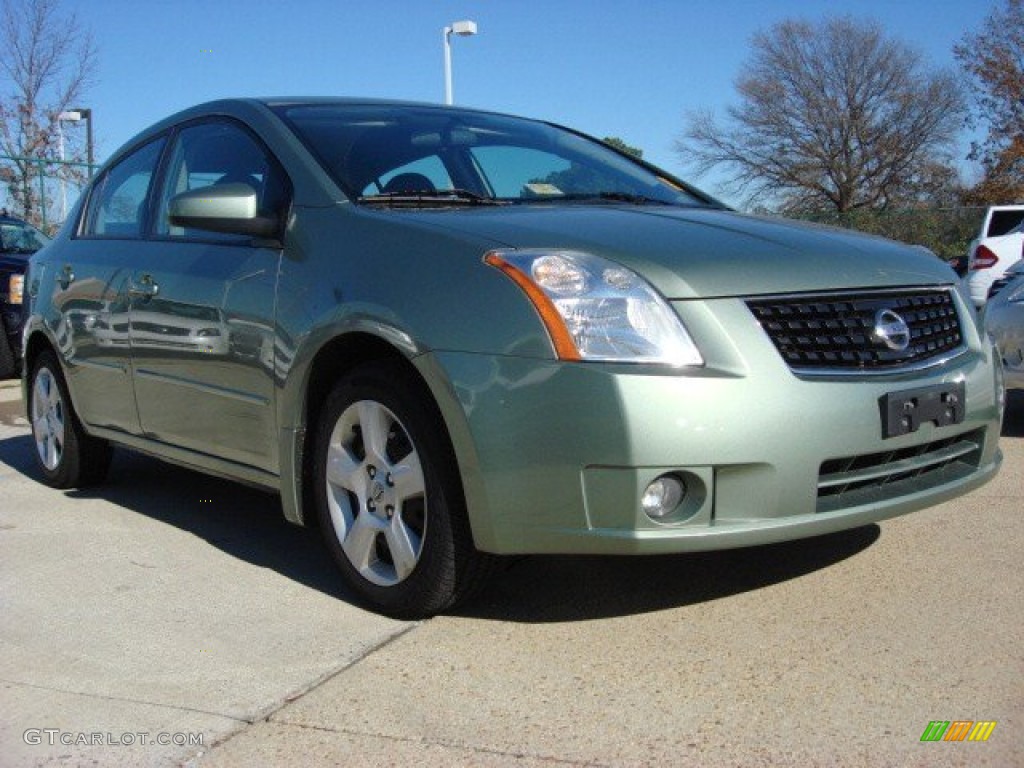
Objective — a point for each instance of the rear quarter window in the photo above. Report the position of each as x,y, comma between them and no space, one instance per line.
1003,221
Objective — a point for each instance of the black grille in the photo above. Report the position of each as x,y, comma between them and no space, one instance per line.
837,331
873,477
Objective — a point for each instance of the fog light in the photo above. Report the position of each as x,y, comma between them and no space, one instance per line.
662,497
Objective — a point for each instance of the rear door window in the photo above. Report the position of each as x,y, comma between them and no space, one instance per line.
118,204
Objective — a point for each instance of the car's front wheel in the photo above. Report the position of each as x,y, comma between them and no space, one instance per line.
8,364
67,456
389,499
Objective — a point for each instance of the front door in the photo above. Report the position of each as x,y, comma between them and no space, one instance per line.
202,309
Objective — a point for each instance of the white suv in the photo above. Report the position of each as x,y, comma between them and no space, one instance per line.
997,247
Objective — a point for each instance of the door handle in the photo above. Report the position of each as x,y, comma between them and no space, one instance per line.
146,288
67,277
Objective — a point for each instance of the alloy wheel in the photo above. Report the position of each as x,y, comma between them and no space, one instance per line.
48,419
376,493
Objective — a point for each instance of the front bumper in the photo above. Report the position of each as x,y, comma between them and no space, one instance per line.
554,456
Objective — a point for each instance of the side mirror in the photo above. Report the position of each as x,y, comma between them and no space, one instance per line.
227,208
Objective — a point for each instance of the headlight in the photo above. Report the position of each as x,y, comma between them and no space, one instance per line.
16,288
595,309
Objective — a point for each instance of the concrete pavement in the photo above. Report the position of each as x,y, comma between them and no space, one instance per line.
169,603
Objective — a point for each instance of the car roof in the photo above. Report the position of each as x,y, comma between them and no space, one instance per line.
244,104
242,107
281,101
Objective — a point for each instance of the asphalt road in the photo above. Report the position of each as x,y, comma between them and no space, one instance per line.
167,606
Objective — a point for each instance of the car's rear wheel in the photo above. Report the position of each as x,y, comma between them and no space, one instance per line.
67,456
389,500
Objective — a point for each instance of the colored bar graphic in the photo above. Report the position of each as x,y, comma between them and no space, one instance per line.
935,730
958,730
982,730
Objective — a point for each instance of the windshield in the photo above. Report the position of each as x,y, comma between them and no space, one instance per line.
423,154
20,238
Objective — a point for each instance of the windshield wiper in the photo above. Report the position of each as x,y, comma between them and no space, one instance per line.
597,197
429,197
623,197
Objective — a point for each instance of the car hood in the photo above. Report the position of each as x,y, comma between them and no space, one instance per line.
688,253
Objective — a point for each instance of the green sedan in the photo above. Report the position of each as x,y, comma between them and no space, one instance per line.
445,335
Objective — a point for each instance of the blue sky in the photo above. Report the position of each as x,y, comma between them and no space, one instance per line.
627,69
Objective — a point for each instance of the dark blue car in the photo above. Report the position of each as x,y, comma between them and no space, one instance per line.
18,241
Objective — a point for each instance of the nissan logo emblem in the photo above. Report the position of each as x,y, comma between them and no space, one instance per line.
892,330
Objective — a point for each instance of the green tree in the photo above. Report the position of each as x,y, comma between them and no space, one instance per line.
832,115
993,60
619,144
581,179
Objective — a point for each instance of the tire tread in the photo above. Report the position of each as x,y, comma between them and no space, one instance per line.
460,570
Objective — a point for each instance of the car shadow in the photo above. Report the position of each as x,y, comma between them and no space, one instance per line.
543,589
243,522
246,523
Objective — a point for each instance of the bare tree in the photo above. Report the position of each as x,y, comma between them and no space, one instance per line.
831,116
993,59
47,60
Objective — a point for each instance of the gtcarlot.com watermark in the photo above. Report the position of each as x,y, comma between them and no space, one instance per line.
55,736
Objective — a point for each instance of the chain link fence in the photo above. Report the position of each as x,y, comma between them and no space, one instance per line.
42,191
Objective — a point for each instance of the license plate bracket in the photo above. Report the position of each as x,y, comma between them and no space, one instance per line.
904,412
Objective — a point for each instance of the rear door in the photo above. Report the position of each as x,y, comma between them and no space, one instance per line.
90,291
202,307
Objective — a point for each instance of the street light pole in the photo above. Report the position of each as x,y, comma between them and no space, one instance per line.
71,116
60,171
86,114
463,29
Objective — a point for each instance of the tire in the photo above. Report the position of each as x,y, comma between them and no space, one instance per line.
8,364
66,455
389,500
